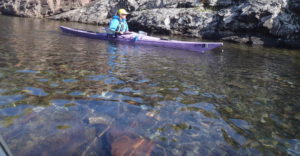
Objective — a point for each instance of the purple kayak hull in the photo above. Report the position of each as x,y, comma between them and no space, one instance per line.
146,40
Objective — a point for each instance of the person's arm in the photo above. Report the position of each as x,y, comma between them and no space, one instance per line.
126,27
113,25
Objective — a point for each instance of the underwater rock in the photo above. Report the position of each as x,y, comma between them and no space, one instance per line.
128,143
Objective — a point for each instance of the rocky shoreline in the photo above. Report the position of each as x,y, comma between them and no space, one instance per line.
257,22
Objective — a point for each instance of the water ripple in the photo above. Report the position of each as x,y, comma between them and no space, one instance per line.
7,99
27,71
113,80
115,96
35,91
69,80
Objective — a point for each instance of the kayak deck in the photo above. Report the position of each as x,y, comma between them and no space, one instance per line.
146,40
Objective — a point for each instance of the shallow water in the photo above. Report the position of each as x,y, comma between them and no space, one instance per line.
67,95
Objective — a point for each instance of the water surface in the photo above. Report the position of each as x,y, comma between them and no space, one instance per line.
67,95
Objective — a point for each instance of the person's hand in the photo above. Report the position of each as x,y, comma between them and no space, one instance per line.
121,33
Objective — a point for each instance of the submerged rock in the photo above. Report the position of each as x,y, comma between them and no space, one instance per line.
127,143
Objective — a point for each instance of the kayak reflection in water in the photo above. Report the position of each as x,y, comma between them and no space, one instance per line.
118,24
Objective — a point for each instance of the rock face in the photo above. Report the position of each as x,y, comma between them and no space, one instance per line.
39,8
275,22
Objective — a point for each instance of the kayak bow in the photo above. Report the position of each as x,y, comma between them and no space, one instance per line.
146,40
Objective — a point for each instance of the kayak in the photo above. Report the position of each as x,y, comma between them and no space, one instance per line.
140,39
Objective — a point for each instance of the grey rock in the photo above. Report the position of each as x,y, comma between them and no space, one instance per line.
247,40
236,39
176,20
38,8
218,3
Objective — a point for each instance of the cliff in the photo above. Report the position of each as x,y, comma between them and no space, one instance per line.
264,22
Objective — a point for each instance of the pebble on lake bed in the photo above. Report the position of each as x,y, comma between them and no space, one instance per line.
99,120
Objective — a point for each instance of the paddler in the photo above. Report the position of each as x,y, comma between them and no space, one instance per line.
118,24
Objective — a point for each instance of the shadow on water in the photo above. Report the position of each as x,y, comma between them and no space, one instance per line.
67,95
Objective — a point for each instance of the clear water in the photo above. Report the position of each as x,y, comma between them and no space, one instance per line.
67,95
